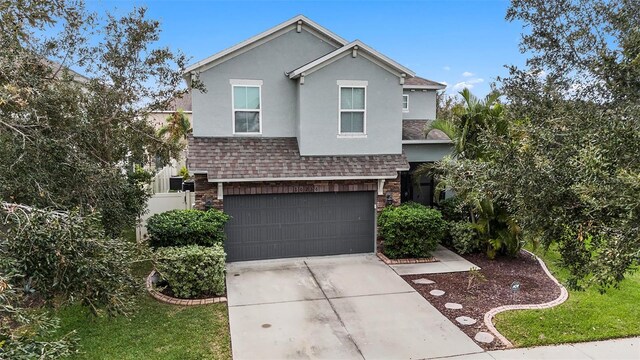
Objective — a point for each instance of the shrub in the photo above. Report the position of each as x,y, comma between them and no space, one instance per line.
66,256
187,227
452,209
411,230
192,271
463,237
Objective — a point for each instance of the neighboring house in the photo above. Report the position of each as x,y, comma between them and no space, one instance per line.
159,118
300,138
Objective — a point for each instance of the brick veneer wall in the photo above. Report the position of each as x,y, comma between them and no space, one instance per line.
206,190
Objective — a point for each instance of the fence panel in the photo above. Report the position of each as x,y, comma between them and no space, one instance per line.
161,202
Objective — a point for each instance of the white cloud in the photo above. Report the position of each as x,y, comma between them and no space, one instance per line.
467,74
444,83
446,68
469,84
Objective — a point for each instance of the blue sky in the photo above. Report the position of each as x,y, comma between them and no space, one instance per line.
462,43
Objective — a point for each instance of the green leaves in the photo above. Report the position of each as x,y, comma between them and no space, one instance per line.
187,227
193,271
68,257
411,230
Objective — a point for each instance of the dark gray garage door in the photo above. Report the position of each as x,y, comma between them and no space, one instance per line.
293,225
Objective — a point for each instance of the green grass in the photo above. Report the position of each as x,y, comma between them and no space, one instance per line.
155,331
586,316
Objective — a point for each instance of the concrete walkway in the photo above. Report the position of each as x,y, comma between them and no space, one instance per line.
618,349
339,307
448,261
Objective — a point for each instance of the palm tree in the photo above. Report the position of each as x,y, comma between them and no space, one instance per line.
493,224
470,118
178,127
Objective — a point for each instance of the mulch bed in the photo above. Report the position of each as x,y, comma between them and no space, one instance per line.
499,274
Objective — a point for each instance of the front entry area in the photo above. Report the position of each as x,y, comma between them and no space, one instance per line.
420,190
297,225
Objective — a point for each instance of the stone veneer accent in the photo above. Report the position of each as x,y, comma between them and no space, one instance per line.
206,190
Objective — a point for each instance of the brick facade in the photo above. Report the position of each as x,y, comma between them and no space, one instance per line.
208,192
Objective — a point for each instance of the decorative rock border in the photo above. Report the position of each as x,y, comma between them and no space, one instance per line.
388,261
175,301
488,317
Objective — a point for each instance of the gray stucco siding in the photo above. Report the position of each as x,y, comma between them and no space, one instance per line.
212,111
319,110
422,104
426,152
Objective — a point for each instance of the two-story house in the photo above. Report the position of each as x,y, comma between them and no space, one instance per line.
302,138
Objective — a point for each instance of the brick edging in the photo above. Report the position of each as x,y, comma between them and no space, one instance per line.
388,261
488,317
175,301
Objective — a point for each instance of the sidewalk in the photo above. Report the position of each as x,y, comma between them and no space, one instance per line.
617,349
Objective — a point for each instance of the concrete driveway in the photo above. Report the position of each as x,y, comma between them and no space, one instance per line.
339,307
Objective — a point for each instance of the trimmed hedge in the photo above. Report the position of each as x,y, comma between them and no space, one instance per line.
192,271
187,227
411,230
463,237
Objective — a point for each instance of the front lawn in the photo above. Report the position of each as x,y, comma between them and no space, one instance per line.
585,316
155,331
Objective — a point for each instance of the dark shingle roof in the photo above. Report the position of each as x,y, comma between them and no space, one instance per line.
415,129
225,158
418,81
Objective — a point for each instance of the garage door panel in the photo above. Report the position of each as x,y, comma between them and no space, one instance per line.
292,225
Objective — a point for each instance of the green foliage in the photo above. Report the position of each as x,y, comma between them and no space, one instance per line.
464,237
129,197
193,271
566,167
184,173
452,209
64,256
410,230
28,334
187,227
69,141
177,128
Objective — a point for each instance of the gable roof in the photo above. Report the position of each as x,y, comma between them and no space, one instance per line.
418,82
378,57
237,49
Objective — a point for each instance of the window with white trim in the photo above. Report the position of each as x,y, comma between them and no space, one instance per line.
247,113
405,103
352,109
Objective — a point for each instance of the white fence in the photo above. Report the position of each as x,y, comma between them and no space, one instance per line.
161,202
160,182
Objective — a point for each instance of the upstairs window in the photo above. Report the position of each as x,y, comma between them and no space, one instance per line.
352,109
247,114
405,103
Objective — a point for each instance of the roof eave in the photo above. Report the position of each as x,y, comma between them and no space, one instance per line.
425,87
262,35
389,62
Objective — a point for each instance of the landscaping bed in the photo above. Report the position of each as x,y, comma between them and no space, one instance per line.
586,316
490,288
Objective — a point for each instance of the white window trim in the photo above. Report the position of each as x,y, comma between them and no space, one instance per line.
407,109
245,83
352,84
